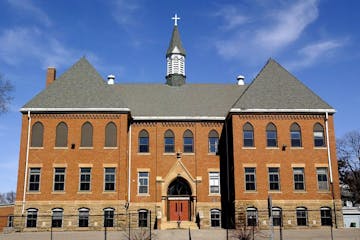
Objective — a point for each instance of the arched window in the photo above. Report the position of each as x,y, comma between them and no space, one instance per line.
301,216
326,218
251,216
248,135
110,135
83,217
215,217
213,141
61,139
143,141
109,217
37,135
31,217
188,141
277,216
271,135
319,140
57,217
169,141
86,135
143,218
295,134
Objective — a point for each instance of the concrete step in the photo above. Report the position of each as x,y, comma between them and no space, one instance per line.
183,225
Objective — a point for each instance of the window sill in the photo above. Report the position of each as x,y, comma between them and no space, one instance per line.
60,148
188,154
144,153
249,148
109,192
33,192
214,195
320,148
296,148
300,191
58,192
250,191
274,191
213,153
169,154
86,148
84,192
143,195
110,148
324,191
36,148
272,148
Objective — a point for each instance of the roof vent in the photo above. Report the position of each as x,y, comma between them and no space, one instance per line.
240,80
111,79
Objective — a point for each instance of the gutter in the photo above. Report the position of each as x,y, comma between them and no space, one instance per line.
26,163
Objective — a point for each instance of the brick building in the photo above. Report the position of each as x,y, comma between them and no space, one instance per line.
203,154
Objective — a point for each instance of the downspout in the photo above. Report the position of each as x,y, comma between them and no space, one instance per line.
330,166
129,166
227,175
26,163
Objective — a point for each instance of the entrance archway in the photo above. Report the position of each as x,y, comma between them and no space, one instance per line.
179,200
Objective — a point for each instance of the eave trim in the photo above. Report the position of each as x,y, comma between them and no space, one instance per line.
75,109
295,110
177,118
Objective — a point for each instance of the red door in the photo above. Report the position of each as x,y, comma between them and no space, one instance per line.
179,210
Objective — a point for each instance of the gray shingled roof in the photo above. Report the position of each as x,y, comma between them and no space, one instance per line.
275,88
80,87
175,42
189,100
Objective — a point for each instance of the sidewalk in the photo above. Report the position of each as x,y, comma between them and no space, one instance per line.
211,234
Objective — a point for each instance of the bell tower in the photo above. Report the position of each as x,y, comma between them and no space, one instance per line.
175,58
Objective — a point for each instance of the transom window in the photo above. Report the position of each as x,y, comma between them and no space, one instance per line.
215,217
319,140
85,179
301,216
143,182
274,179
169,141
109,179
110,135
188,141
86,135
37,135
61,139
214,182
248,135
271,135
295,134
213,141
34,179
250,179
299,179
59,179
143,141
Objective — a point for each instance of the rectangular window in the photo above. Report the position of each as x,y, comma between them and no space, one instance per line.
56,220
322,179
10,222
143,218
83,218
274,179
31,218
109,217
143,144
215,216
109,179
59,179
250,180
213,144
85,179
295,139
143,182
326,219
301,216
34,179
169,145
299,179
214,182
277,217
251,215
271,138
248,138
188,145
319,139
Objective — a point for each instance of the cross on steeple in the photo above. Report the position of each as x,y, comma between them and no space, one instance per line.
175,18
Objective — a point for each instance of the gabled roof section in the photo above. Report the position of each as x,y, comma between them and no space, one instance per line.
80,88
276,90
175,42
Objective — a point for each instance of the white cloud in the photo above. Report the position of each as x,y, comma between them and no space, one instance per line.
22,44
124,12
269,32
314,52
232,17
27,6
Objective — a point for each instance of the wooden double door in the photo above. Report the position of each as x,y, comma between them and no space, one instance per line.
179,209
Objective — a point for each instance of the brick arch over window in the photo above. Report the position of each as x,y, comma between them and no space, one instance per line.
188,142
143,141
110,135
295,135
169,141
319,140
86,135
61,139
271,135
37,135
248,135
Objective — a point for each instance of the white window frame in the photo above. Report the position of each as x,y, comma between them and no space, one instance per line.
144,178
214,181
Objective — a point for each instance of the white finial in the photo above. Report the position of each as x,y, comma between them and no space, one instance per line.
175,18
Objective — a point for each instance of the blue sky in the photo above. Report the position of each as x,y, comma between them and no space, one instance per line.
318,41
